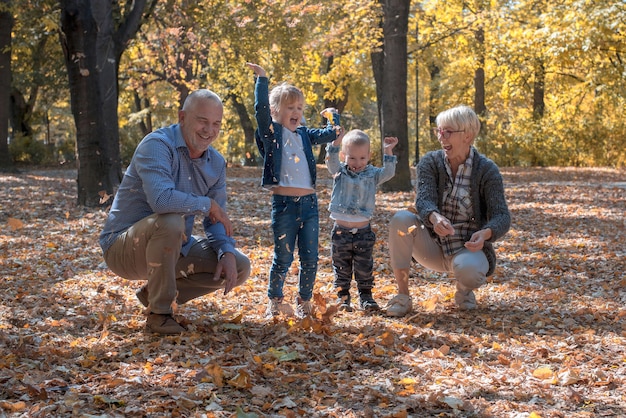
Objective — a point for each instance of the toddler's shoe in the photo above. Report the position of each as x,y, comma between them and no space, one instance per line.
399,306
304,308
368,303
343,300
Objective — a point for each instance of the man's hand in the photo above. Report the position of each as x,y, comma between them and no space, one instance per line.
218,215
227,267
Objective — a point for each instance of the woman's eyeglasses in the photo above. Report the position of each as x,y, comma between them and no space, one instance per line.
445,133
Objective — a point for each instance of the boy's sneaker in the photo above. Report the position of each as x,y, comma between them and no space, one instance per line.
164,324
400,305
344,303
273,307
368,303
304,308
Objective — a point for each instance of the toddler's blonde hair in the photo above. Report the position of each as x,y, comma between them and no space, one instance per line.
355,137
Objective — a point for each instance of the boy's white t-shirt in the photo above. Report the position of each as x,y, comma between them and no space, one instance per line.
294,169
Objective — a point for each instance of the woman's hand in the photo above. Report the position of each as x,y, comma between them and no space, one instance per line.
441,225
477,241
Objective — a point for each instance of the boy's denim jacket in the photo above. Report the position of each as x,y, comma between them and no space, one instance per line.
355,193
269,137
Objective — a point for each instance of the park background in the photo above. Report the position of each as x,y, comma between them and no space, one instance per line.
81,82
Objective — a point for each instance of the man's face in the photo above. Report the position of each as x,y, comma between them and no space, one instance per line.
201,125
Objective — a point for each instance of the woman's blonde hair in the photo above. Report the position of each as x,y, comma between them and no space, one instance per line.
460,118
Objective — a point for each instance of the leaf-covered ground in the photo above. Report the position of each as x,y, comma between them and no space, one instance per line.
549,338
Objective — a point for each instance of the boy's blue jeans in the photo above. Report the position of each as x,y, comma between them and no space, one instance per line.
294,219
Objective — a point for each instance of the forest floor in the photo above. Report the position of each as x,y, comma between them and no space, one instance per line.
548,338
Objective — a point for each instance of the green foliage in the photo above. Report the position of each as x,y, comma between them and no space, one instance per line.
27,150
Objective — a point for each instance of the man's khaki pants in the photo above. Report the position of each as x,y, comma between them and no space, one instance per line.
150,250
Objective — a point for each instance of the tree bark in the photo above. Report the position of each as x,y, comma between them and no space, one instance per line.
539,88
338,104
6,26
111,44
92,53
435,83
79,41
248,129
391,87
479,79
107,68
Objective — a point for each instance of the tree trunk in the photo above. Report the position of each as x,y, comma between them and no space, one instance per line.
479,79
107,66
435,83
539,90
145,124
339,104
391,84
20,115
79,41
6,26
248,129
92,53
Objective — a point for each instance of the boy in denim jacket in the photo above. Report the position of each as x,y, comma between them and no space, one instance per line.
289,172
351,207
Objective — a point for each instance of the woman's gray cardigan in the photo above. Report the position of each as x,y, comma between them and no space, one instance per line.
486,189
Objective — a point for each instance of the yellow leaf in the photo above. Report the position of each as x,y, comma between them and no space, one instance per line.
543,373
430,304
328,115
534,415
407,381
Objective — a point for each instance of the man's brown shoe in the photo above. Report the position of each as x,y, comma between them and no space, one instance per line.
142,295
163,324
